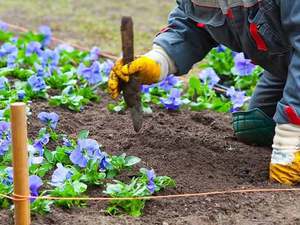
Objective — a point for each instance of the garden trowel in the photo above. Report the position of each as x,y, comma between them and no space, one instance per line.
131,89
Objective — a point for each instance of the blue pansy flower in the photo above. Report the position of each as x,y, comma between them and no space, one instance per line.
47,33
94,53
237,98
49,119
33,47
11,61
67,142
21,94
41,71
35,183
173,101
92,74
3,83
168,83
35,154
3,26
104,162
9,178
86,149
60,175
209,76
242,66
151,176
36,83
221,48
50,58
106,67
8,49
5,137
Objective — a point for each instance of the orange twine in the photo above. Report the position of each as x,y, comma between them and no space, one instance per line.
16,197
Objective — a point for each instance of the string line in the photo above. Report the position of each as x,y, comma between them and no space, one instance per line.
16,197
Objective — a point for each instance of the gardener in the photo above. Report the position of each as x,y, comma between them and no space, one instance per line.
268,32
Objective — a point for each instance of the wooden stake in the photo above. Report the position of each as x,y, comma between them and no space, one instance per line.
20,162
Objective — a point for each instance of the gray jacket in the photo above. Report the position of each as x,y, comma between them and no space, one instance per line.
267,31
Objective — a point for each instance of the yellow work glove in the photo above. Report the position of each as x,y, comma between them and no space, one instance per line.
146,69
285,161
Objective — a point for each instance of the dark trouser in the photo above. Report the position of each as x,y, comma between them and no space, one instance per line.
268,93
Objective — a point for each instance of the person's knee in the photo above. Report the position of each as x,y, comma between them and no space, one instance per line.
254,127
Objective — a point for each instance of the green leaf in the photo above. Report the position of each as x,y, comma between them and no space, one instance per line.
83,134
131,160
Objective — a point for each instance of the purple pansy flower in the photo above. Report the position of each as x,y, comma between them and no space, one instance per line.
36,83
151,185
106,67
146,88
67,142
60,175
8,49
35,154
11,61
49,119
35,183
21,95
50,58
41,71
104,162
5,137
92,74
47,33
94,53
34,47
209,76
221,48
243,66
3,83
86,149
9,179
237,97
3,26
173,101
168,83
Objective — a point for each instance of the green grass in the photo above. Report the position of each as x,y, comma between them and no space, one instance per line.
89,22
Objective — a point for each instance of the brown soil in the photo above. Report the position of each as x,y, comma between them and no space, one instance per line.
198,150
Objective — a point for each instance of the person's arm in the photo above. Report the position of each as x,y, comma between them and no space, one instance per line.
175,51
184,42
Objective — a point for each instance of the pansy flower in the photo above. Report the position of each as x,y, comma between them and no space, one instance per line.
173,101
242,66
209,76
86,149
92,74
33,47
151,185
36,83
47,33
49,119
168,83
237,98
60,175
35,183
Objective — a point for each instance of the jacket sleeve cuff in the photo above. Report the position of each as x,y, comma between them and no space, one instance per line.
167,65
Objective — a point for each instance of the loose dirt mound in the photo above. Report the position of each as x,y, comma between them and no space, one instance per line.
198,150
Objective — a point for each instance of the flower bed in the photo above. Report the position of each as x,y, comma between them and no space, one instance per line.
78,149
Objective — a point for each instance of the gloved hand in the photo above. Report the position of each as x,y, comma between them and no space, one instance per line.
146,69
150,68
285,161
